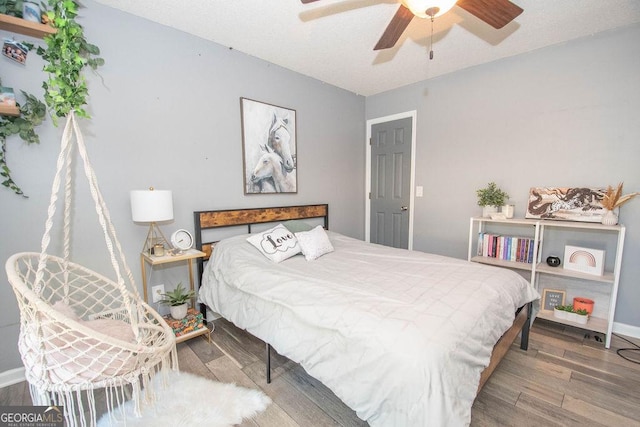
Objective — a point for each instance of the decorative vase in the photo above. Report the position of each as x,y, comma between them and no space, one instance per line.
508,211
488,210
178,311
553,261
609,218
31,12
580,303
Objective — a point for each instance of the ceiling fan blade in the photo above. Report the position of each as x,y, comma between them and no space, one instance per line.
496,13
308,1
395,28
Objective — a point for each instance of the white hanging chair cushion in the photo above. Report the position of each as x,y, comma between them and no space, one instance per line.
74,359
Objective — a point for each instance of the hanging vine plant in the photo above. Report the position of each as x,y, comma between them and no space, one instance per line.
32,113
67,53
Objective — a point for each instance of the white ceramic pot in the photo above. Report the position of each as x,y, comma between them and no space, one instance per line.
508,210
572,317
178,311
609,218
582,318
31,12
560,314
488,210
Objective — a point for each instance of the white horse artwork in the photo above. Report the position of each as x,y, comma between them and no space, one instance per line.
268,130
279,141
271,166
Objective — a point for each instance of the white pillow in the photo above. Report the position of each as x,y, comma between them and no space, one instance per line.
277,244
314,243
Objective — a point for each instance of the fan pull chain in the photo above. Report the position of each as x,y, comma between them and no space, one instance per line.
431,42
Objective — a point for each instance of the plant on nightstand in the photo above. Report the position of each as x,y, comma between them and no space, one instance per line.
490,198
177,301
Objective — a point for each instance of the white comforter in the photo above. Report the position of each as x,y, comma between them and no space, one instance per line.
400,336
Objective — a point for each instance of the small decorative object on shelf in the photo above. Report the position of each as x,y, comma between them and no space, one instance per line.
177,301
31,12
580,303
191,322
614,199
553,261
570,313
490,198
584,260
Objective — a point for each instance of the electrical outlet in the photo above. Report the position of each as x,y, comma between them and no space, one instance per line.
156,292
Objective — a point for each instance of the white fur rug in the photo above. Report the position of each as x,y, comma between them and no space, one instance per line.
190,400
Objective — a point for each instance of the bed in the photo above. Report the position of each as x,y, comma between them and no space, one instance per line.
404,338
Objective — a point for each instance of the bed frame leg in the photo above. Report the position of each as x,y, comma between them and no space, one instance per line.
524,340
268,364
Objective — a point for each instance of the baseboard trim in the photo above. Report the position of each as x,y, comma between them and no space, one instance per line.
12,376
627,330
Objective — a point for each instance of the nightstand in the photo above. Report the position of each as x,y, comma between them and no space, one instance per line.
188,256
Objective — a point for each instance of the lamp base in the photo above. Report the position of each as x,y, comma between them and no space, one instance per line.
154,237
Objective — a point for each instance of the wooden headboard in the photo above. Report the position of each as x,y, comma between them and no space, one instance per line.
207,220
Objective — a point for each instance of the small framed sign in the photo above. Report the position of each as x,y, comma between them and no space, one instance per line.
584,260
551,298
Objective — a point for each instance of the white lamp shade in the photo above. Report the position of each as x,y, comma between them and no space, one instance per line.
151,205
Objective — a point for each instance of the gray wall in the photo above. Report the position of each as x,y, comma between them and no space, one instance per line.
166,112
566,115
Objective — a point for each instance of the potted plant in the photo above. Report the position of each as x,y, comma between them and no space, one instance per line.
559,312
177,301
490,198
614,199
582,316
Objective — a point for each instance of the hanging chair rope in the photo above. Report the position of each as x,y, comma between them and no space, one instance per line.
65,163
79,330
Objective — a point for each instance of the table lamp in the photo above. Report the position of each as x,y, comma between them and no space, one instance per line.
152,206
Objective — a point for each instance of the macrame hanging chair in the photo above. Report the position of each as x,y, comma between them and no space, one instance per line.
80,331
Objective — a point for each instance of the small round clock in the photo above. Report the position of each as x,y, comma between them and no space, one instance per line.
182,240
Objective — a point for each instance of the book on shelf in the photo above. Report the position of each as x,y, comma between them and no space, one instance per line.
506,248
191,322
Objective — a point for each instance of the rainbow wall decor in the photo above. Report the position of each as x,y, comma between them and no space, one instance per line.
585,260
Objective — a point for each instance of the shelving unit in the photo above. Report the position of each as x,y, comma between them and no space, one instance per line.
573,281
187,256
21,26
28,28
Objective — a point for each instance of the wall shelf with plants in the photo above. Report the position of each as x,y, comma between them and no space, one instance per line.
9,110
22,26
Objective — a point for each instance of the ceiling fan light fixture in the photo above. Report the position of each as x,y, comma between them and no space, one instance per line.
429,8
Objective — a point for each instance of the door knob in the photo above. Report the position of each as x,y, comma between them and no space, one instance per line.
404,208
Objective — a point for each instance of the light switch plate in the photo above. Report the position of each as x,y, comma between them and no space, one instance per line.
419,191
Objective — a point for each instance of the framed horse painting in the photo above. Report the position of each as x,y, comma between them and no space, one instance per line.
268,148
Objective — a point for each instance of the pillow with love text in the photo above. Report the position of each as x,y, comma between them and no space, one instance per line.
277,244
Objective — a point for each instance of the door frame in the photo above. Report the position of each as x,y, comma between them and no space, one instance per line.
367,209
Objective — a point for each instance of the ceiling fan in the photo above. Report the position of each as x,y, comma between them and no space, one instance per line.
496,13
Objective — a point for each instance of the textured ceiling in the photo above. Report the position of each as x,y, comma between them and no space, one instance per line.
332,40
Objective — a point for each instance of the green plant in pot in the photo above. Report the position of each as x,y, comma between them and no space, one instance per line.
177,301
490,198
